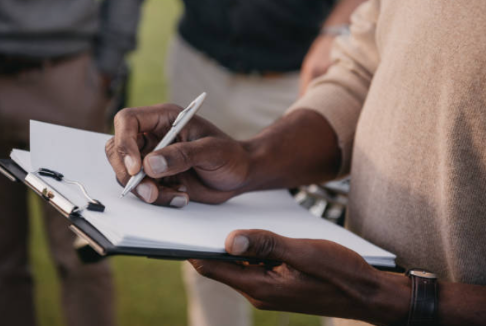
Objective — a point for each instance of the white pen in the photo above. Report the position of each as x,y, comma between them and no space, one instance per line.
180,122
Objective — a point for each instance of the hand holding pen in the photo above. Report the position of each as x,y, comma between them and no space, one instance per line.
180,122
203,165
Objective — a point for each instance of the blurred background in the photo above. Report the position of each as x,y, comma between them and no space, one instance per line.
149,292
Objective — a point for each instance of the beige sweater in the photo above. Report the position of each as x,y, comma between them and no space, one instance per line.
407,99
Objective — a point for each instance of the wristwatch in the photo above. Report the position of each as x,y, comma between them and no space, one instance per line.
423,305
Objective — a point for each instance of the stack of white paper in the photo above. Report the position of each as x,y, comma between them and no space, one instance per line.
129,222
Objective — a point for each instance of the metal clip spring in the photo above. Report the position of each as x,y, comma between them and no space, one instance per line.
93,204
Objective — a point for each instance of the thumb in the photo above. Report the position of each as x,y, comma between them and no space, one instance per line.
180,157
259,244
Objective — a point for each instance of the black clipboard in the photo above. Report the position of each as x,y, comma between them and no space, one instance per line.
97,241
100,245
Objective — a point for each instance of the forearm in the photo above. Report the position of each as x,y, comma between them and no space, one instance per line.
459,304
301,148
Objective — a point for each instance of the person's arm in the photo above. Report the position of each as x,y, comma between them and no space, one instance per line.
323,278
339,95
205,165
318,59
317,277
310,144
118,33
341,14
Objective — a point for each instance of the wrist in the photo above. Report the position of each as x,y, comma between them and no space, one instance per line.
300,148
391,303
255,179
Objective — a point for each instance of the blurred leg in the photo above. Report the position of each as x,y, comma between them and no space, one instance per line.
209,303
69,94
257,102
241,106
16,300
87,289
212,303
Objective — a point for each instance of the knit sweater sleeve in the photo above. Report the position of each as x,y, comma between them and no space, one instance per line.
339,95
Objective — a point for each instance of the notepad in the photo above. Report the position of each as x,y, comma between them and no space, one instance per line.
128,222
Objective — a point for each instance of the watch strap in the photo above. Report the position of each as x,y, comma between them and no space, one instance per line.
423,307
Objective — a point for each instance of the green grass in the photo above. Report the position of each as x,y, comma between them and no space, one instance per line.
149,292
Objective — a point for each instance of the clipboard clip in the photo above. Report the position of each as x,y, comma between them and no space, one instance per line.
49,173
93,204
55,198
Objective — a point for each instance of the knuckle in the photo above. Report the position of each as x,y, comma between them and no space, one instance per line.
172,107
122,116
114,159
109,146
266,247
164,197
169,112
184,156
121,149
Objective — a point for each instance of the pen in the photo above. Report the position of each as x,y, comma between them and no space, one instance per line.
180,122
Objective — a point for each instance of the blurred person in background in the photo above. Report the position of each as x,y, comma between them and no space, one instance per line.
57,61
247,55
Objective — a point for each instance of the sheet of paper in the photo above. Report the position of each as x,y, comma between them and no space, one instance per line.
22,158
80,156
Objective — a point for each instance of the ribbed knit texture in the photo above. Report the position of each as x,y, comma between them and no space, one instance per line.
407,99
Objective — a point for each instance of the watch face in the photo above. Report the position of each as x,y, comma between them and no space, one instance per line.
422,273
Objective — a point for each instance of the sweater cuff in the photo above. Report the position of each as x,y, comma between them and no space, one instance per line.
341,110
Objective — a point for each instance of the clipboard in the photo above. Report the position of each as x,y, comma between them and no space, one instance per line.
100,246
97,246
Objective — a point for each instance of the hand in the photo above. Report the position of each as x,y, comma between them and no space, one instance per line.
316,62
204,164
317,277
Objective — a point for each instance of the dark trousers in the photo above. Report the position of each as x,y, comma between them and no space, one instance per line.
67,93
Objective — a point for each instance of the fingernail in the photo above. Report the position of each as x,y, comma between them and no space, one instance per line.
240,245
145,191
178,201
157,163
129,163
182,189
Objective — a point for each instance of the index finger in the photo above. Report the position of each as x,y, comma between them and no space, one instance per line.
130,122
